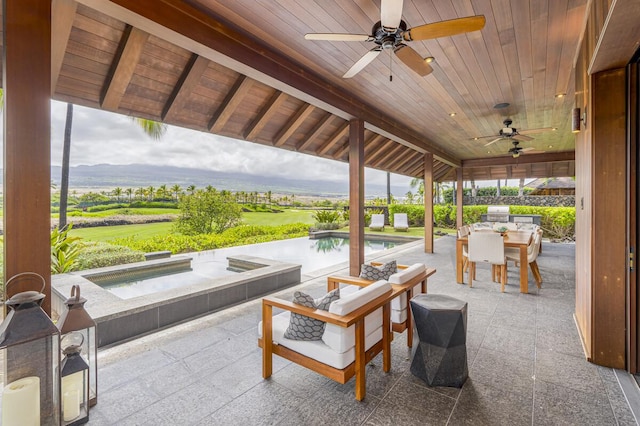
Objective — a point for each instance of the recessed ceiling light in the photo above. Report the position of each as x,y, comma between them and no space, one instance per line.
501,105
554,129
475,139
560,95
429,59
452,114
550,146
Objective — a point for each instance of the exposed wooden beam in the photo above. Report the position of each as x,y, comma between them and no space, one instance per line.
341,152
63,13
293,124
400,159
371,144
509,172
230,103
208,34
339,134
417,171
393,151
549,169
315,133
265,115
411,164
442,173
386,146
131,46
189,80
523,159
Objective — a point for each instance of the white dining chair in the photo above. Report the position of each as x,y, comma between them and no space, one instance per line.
487,247
532,256
464,231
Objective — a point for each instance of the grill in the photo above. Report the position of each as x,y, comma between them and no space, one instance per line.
498,214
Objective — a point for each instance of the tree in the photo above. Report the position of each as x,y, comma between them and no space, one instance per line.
140,193
129,192
117,192
191,189
521,187
205,212
176,190
150,191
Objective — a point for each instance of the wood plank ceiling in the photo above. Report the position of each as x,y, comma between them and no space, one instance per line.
103,58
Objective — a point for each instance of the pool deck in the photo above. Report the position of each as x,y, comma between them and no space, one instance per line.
526,364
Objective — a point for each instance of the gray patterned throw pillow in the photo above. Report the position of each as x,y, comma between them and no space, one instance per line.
376,273
302,327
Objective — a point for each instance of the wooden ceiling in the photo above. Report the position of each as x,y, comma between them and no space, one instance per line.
242,69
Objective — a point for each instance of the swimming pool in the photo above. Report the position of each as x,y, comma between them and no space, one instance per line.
311,254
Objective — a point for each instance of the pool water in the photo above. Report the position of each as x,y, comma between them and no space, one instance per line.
310,254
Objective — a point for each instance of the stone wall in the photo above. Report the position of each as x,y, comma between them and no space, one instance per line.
529,200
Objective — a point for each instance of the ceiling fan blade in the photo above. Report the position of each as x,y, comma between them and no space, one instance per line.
445,28
529,148
493,141
337,37
522,138
362,62
534,131
390,13
413,60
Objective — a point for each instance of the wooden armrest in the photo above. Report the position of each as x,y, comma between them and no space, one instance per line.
333,280
380,264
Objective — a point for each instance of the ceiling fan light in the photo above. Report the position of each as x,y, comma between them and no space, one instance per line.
429,59
452,114
560,95
516,154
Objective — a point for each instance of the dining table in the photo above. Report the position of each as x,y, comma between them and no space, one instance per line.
519,239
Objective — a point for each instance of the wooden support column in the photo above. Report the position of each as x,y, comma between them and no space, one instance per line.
27,142
459,195
428,202
356,196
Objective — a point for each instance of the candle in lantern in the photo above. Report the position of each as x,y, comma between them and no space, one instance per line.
71,387
21,402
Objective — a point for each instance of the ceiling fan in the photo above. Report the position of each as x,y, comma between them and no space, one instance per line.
516,150
391,32
511,133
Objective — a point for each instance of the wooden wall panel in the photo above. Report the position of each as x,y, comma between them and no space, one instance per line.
609,213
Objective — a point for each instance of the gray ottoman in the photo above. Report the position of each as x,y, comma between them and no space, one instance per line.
439,353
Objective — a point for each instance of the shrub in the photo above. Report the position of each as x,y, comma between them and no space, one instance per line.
240,235
204,212
415,213
326,216
65,250
153,204
98,255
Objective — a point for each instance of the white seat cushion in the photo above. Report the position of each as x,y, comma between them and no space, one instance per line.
400,302
316,349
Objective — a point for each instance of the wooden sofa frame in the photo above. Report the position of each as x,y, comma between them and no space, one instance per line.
333,282
357,317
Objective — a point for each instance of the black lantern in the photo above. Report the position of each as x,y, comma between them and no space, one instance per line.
76,318
30,348
74,377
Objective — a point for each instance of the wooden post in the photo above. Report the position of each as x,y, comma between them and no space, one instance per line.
27,142
356,196
428,202
459,197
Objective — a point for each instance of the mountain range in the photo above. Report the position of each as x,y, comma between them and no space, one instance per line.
141,175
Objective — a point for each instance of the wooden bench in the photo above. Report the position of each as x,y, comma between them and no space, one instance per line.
403,288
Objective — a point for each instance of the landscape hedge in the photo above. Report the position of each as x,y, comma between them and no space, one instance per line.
557,222
240,235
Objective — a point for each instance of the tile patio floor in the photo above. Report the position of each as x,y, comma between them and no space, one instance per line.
526,365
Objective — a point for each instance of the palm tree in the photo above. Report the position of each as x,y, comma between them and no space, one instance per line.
140,193
152,128
176,190
64,178
191,189
117,192
129,192
150,191
162,191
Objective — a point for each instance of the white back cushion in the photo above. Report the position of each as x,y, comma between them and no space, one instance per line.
404,275
349,303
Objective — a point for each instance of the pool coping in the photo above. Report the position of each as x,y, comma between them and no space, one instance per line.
121,319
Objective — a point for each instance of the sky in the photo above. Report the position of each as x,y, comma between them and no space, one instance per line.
100,137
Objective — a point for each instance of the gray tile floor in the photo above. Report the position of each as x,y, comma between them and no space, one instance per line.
526,365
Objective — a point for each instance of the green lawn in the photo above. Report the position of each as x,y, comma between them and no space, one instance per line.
106,233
